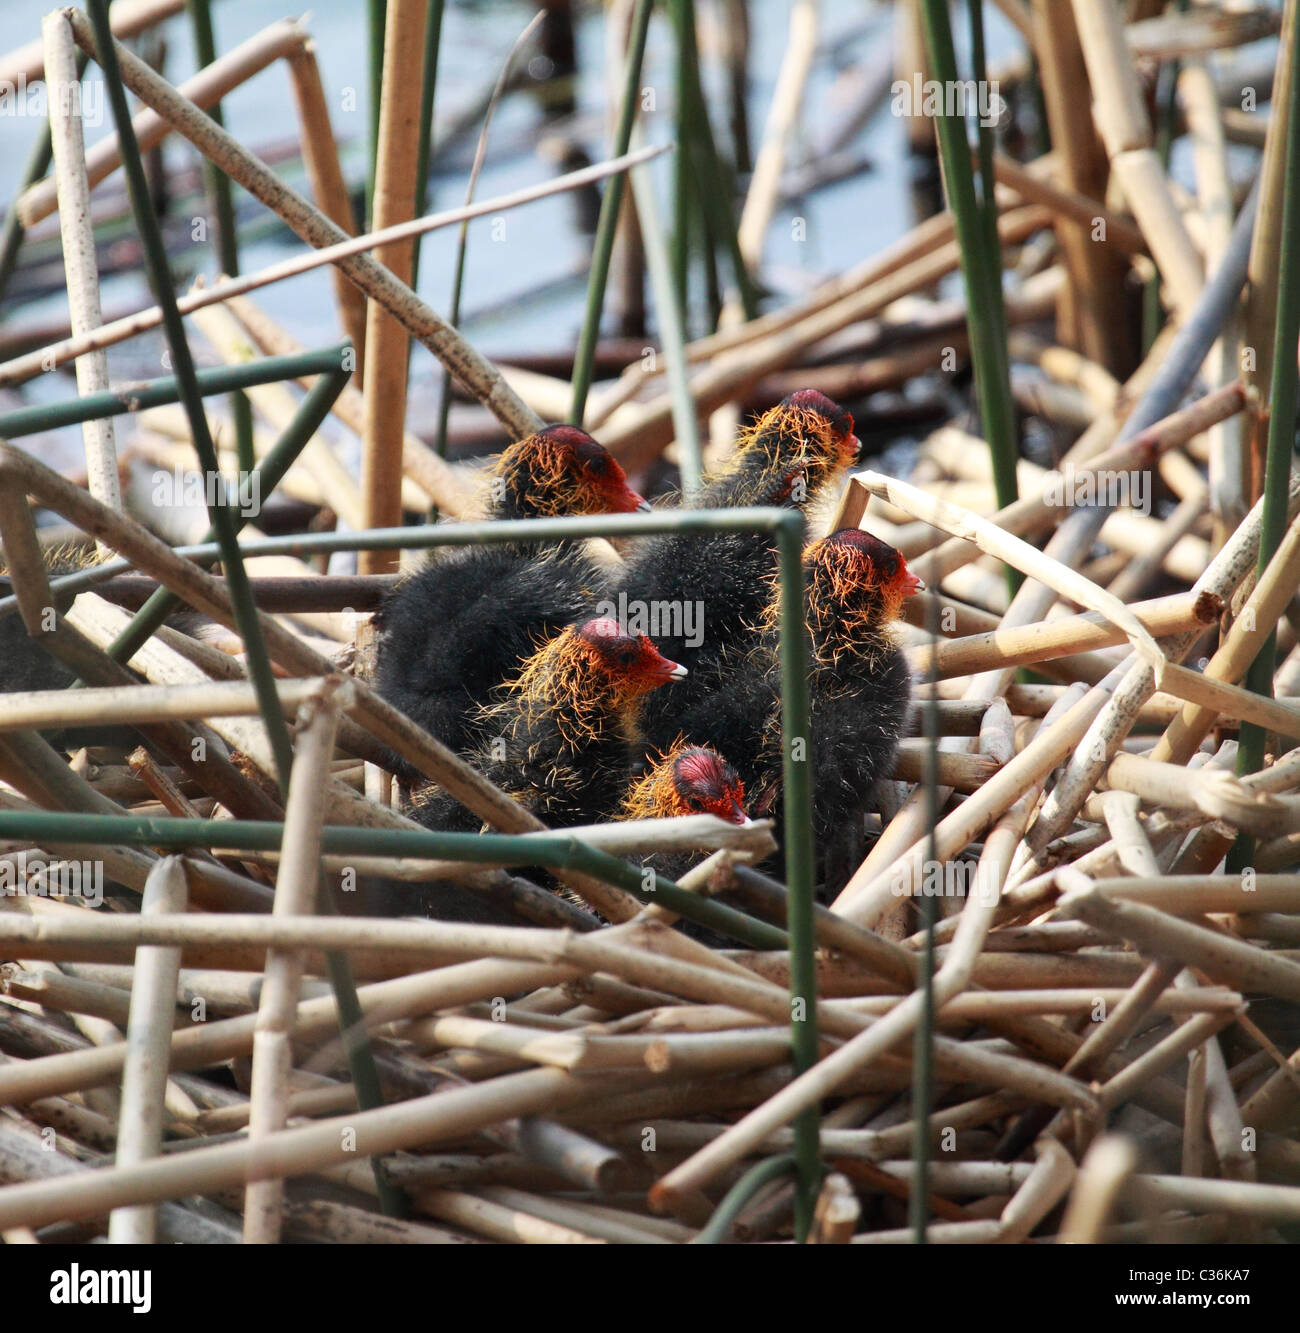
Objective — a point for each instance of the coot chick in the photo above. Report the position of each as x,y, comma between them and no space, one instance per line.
456,629
859,684
562,735
688,780
699,596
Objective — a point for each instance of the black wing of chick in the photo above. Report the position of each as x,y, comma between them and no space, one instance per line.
856,725
859,687
457,629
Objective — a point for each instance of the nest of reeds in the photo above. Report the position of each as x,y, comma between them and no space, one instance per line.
1057,997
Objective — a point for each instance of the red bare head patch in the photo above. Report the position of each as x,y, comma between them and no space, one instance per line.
628,658
705,783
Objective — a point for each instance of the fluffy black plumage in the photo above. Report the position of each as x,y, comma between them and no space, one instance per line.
699,597
26,665
437,899
561,737
859,685
456,629
736,711
857,719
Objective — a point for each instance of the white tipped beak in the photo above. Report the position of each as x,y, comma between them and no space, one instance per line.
678,672
645,507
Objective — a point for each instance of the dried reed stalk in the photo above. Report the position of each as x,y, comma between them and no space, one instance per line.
1260,313
35,363
473,370
130,17
441,484
1034,185
1105,1170
1214,194
637,431
387,340
296,888
1239,964
386,724
205,89
787,98
1238,650
1072,634
71,188
277,404
148,1035
1022,516
991,539
1126,131
321,155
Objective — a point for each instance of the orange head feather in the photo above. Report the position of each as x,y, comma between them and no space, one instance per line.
587,678
688,780
857,585
561,471
805,441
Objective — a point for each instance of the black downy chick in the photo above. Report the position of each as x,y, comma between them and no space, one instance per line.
456,629
561,736
26,665
699,596
561,739
859,684
687,779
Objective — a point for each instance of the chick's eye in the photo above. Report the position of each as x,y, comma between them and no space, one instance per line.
598,466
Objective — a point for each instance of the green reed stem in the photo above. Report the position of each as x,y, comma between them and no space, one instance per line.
670,319
428,91
313,410
713,179
38,162
797,777
361,1061
376,26
1281,429
610,206
762,1173
923,1037
462,239
981,263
